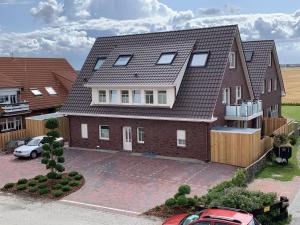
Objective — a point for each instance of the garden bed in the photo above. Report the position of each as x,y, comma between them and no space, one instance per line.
47,187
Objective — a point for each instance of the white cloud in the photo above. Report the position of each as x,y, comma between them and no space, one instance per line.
48,10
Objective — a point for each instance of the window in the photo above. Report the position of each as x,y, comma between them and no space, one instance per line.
226,96
270,59
166,58
136,97
4,99
275,84
113,96
36,92
84,130
238,93
99,63
125,96
102,96
270,85
149,97
231,60
264,87
140,135
123,60
162,97
104,132
199,59
181,138
51,91
248,55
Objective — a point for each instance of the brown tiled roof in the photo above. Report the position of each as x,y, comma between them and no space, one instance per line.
38,73
6,82
66,78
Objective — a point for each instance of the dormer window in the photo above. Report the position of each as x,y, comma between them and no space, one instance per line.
99,63
199,59
123,60
36,92
51,91
166,58
102,96
248,55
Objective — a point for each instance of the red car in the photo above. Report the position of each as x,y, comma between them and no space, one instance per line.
214,216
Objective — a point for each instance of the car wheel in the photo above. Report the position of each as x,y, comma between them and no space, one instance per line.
33,154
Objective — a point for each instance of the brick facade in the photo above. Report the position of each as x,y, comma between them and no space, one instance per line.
160,136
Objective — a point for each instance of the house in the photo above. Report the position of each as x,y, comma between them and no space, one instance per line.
164,92
31,86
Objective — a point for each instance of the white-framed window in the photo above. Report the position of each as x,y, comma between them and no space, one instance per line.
84,130
226,96
270,59
125,96
104,132
199,59
149,98
36,92
162,97
238,93
263,87
113,96
140,135
99,63
51,91
136,97
181,138
11,123
4,98
275,84
270,85
232,60
166,58
102,96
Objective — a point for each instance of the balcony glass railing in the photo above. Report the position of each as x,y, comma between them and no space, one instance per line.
246,109
14,107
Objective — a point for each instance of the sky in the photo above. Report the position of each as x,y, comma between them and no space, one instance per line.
68,28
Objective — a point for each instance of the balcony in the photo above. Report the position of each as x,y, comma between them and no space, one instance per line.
14,108
246,111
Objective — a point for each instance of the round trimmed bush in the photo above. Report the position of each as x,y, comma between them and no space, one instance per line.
60,159
32,183
52,123
46,154
38,177
191,201
57,186
73,173
22,181
45,161
66,188
75,183
33,189
59,167
9,185
21,187
52,163
52,175
78,177
58,152
184,189
182,200
170,202
44,191
43,179
65,181
57,193
42,186
58,176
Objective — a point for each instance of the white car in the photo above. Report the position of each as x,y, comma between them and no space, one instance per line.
32,148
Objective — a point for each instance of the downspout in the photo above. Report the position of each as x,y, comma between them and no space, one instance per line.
206,143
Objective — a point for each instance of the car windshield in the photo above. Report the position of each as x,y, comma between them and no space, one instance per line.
253,222
34,142
189,219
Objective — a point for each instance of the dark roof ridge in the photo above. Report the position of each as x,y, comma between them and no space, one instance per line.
265,40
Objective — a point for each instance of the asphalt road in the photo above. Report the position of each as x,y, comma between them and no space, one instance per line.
15,211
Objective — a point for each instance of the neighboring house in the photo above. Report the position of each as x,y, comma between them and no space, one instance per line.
163,92
31,86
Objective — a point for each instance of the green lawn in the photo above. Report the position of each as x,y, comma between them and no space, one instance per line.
292,112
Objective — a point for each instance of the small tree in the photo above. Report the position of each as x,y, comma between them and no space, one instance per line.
52,149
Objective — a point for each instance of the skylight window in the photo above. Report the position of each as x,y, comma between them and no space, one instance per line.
248,55
123,60
36,92
51,91
199,59
99,63
166,58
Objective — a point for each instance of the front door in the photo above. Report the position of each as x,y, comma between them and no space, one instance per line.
127,139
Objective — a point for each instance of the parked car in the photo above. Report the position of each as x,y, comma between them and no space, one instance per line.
10,146
32,148
214,216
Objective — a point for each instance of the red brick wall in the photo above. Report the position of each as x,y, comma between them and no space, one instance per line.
160,136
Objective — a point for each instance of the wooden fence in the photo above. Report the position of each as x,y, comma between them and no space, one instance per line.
272,124
5,137
287,128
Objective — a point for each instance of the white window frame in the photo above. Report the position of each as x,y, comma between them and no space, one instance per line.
138,135
149,103
232,60
100,97
275,84
162,97
100,133
238,93
84,131
263,87
226,98
181,138
36,92
128,100
270,60
269,85
116,96
134,94
51,90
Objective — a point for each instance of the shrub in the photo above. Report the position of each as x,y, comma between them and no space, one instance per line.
293,140
33,189
73,173
280,139
57,193
38,177
58,176
22,181
42,186
60,159
9,185
52,163
57,186
78,177
66,188
44,191
65,181
170,202
52,124
59,167
32,183
239,178
45,161
192,201
52,175
184,189
42,179
21,187
182,201
75,183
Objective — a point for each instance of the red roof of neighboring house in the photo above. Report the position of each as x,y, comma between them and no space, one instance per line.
38,73
6,82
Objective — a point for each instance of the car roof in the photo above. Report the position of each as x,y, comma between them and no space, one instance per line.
39,137
228,215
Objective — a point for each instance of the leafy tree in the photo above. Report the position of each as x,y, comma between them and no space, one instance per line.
52,155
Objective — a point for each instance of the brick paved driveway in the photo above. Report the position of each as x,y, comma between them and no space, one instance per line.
122,181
